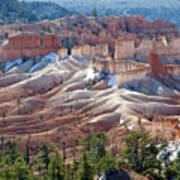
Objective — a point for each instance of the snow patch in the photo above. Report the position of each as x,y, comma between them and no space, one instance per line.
91,74
11,64
93,121
172,150
121,121
130,127
48,59
112,82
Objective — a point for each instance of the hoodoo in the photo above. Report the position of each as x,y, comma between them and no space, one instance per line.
155,63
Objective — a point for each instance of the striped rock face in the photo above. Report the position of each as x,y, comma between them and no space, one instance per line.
53,98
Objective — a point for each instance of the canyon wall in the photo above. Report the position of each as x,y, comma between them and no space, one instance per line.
158,67
113,25
173,69
145,45
115,66
31,45
20,42
12,54
128,71
133,75
129,48
84,50
124,49
51,41
139,25
116,37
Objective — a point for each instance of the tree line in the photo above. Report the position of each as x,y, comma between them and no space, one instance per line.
18,12
140,156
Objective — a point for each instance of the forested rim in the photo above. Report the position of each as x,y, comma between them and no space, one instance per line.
17,12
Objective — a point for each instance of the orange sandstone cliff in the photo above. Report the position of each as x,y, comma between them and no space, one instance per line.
31,45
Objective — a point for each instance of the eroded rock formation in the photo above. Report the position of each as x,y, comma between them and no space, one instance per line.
31,45
75,100
155,63
126,36
88,50
124,47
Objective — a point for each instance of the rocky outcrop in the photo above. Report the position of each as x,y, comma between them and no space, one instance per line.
31,45
117,66
12,54
173,69
21,42
62,52
140,26
144,46
126,36
155,63
124,48
87,50
164,47
132,76
50,41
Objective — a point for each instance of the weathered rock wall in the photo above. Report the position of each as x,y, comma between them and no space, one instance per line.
63,52
127,71
139,25
155,66
173,69
31,45
11,54
124,48
144,46
51,41
170,49
18,42
77,51
124,77
99,50
116,67
127,48
174,48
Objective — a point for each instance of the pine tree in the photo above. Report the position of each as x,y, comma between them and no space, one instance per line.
44,156
106,165
75,169
56,168
85,171
4,117
64,151
27,158
2,148
94,12
6,170
21,170
18,102
10,148
140,152
107,13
